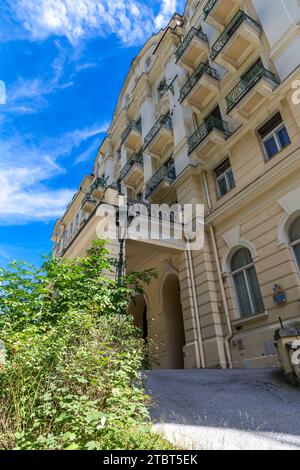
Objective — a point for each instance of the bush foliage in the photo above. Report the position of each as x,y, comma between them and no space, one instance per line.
71,378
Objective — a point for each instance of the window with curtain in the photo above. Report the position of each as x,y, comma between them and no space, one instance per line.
295,239
246,285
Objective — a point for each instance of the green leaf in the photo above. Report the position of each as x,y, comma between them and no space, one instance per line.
92,445
69,436
73,446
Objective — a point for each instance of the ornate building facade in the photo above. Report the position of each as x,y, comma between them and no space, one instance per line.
209,113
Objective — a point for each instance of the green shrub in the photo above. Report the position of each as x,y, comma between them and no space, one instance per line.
72,375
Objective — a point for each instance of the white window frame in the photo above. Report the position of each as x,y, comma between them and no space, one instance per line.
292,246
274,133
225,173
243,270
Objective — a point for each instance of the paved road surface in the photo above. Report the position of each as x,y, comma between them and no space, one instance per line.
231,409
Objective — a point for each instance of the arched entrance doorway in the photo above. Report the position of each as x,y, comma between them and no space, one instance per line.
138,309
175,338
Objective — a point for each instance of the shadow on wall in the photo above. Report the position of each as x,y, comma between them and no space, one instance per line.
174,326
138,309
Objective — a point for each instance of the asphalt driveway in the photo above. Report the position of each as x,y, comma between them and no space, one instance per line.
230,409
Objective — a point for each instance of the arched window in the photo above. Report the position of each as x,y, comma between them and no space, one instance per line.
246,285
295,239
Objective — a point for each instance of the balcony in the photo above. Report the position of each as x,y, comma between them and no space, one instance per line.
193,49
212,134
89,204
98,188
166,228
160,136
132,172
160,182
201,87
132,137
239,39
218,13
252,91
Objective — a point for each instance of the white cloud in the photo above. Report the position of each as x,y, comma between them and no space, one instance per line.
131,21
25,195
25,169
24,198
88,153
72,140
168,8
29,96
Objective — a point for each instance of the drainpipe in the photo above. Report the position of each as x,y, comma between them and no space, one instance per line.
228,337
207,195
189,262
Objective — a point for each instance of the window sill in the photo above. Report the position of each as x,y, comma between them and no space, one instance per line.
220,198
277,154
250,319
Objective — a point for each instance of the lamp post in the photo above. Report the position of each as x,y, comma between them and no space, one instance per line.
121,219
121,263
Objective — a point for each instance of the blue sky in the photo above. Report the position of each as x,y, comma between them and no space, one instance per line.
63,63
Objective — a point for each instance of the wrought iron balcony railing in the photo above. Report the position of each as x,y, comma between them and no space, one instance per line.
135,158
188,38
137,125
167,215
165,172
199,72
256,73
229,31
100,182
208,7
165,121
88,199
208,125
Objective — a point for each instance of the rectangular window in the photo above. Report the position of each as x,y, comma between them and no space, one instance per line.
162,88
225,178
274,136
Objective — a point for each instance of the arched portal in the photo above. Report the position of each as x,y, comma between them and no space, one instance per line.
138,309
175,338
